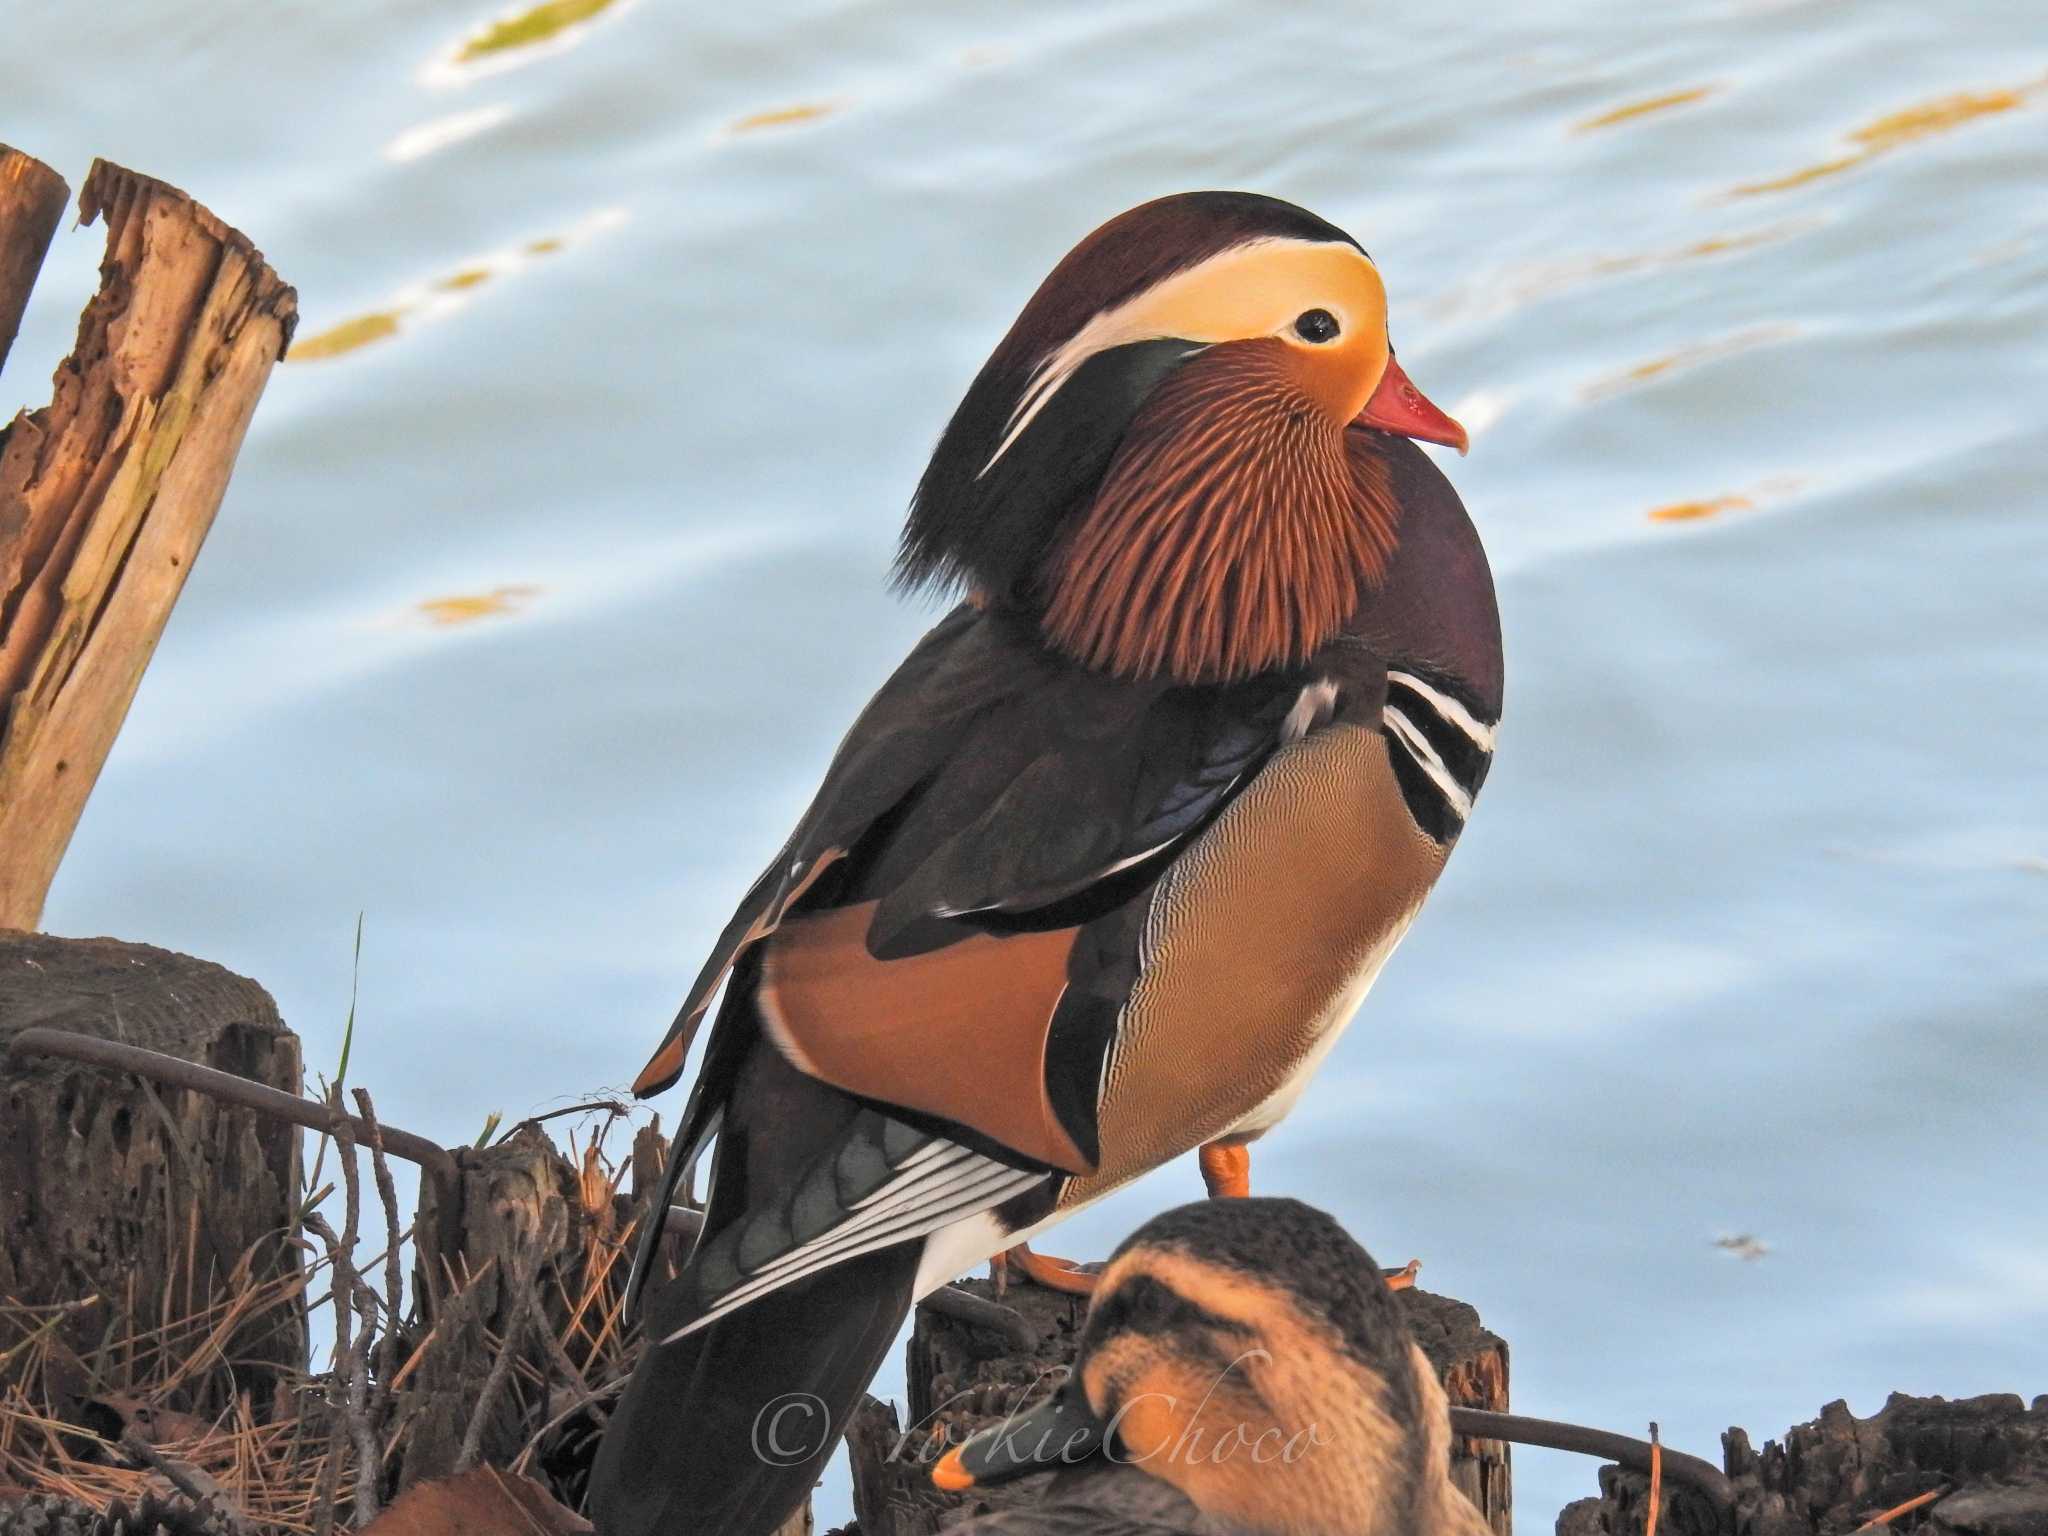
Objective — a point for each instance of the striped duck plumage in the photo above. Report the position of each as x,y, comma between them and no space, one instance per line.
1242,1372
1104,868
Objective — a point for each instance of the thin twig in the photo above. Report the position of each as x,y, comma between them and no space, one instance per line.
558,1352
352,1295
1656,1481
394,1276
501,1368
610,1389
330,1480
614,1107
1483,1424
348,1277
976,1311
225,1086
189,1481
1879,1522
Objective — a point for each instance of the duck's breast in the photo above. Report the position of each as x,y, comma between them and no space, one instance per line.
1259,945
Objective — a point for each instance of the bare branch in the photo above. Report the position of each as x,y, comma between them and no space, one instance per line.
1626,1449
394,1276
227,1087
966,1307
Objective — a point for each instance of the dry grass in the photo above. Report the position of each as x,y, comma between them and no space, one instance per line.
289,1456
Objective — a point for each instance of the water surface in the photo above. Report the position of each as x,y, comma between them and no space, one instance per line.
554,567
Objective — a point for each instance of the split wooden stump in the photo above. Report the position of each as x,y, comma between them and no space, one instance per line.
107,492
964,1374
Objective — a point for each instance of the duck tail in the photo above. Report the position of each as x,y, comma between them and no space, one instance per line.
724,1431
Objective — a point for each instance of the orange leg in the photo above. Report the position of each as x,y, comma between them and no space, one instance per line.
1227,1170
1054,1274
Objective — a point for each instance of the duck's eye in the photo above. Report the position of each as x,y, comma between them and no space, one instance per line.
1317,325
1142,1305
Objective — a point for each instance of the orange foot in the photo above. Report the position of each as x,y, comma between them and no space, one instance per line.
1227,1170
1054,1274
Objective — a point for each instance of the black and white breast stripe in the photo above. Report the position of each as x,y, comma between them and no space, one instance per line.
1440,749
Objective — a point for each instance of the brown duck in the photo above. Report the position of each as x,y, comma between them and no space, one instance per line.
1102,871
1243,1372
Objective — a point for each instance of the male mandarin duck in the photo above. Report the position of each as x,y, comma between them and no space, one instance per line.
1242,1373
1101,872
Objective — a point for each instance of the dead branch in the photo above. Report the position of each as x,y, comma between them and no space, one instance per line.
966,1307
1626,1450
194,1484
394,1275
228,1088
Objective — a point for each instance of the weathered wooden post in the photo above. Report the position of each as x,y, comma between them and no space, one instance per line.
107,492
32,198
151,1199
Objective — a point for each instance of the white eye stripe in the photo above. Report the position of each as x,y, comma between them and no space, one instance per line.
1136,320
1449,708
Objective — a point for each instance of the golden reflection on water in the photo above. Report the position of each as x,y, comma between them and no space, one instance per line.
539,24
783,117
442,295
1636,109
500,601
1897,129
345,337
1734,501
1687,511
1686,357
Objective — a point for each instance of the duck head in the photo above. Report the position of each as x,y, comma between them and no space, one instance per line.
1167,463
1249,1353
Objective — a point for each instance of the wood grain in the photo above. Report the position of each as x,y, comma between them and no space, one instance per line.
32,199
107,493
147,1197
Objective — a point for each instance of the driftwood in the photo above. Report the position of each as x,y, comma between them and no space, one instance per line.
1974,1467
148,1198
967,1367
107,492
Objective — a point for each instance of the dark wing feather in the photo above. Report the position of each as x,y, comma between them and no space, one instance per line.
990,789
907,730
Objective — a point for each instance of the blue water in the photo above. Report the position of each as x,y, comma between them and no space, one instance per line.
555,567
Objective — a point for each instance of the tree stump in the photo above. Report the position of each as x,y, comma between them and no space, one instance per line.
1984,1458
505,1237
107,492
149,1198
963,1376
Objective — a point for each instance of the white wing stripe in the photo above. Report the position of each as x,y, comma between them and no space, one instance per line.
991,1188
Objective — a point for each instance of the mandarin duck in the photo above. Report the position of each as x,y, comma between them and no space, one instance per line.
1102,871
1242,1372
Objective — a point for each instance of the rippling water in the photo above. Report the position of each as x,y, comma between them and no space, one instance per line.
554,568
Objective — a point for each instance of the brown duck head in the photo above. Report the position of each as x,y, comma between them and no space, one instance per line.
1247,1353
1155,463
